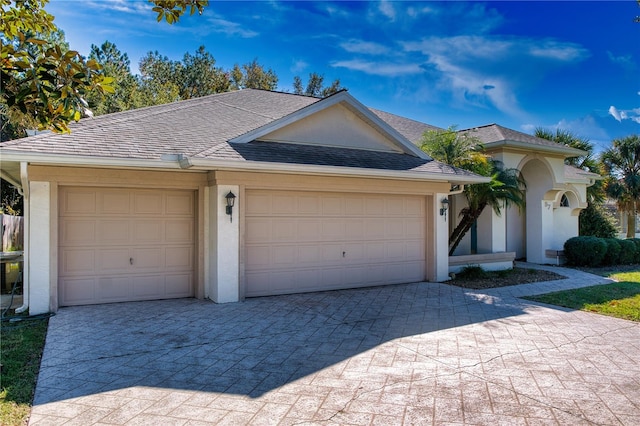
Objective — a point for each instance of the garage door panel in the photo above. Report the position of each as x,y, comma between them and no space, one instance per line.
308,230
114,289
179,258
113,202
180,205
77,262
179,285
333,241
126,245
148,204
78,232
259,256
148,258
113,261
79,291
78,201
178,230
111,232
148,231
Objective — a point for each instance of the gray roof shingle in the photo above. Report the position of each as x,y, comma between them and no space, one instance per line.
201,128
494,133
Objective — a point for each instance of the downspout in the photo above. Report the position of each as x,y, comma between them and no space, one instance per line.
12,181
457,191
26,243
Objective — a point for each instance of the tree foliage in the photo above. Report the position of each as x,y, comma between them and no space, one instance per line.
588,162
595,221
315,86
506,188
622,164
252,75
40,79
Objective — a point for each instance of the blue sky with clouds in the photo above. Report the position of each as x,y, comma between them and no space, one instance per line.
521,64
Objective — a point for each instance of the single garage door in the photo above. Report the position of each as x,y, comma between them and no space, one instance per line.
118,245
309,241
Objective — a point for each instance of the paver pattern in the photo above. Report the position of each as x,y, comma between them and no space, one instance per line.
420,354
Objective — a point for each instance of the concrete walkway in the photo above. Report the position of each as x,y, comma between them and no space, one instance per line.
419,354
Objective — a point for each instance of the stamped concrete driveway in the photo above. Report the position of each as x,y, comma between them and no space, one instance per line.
405,354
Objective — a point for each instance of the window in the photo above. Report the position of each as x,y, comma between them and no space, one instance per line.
564,201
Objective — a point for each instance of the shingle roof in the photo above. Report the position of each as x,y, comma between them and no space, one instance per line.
331,156
410,129
571,172
495,134
201,128
187,127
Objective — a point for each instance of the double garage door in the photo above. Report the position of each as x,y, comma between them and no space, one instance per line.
119,245
309,241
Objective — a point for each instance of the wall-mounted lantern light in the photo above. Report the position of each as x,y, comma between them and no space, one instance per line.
231,199
444,207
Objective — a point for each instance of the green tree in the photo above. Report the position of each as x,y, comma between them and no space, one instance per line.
40,79
116,65
622,164
44,82
198,76
588,162
506,188
315,86
252,75
158,82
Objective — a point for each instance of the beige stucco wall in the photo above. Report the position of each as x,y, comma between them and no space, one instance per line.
335,126
218,240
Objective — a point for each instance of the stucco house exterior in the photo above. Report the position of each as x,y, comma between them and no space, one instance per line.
253,193
556,193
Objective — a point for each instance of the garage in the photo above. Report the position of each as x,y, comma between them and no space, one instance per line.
119,244
299,241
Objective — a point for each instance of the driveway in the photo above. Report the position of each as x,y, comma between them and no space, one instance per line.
420,353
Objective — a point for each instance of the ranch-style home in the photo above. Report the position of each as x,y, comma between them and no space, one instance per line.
253,193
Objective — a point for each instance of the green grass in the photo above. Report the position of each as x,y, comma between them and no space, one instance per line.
620,300
21,346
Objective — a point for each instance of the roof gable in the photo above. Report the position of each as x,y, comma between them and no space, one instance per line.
336,121
494,136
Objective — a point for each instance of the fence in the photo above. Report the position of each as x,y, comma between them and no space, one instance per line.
12,232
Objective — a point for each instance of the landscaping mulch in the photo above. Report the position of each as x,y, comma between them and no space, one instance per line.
504,278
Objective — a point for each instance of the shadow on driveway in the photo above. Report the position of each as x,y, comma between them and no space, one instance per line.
246,348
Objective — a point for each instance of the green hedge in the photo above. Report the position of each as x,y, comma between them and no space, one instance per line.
594,251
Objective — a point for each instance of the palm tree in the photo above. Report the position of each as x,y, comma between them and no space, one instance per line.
588,162
622,163
506,188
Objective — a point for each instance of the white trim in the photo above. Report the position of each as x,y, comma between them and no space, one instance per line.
531,147
350,102
203,165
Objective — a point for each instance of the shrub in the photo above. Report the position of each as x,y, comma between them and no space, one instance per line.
585,251
612,256
596,221
628,252
636,241
472,272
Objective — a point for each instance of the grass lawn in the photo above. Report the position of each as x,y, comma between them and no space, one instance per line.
20,353
620,300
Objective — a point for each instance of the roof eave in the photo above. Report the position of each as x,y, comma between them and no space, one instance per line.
562,150
204,165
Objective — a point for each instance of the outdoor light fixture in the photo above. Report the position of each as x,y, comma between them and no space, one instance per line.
231,199
445,206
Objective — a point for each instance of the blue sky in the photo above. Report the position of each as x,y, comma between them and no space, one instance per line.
522,64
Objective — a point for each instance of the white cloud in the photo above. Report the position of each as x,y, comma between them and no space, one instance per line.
489,70
378,68
365,47
299,65
613,111
625,61
230,28
387,9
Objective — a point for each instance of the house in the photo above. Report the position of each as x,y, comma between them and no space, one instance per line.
133,206
555,195
252,193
